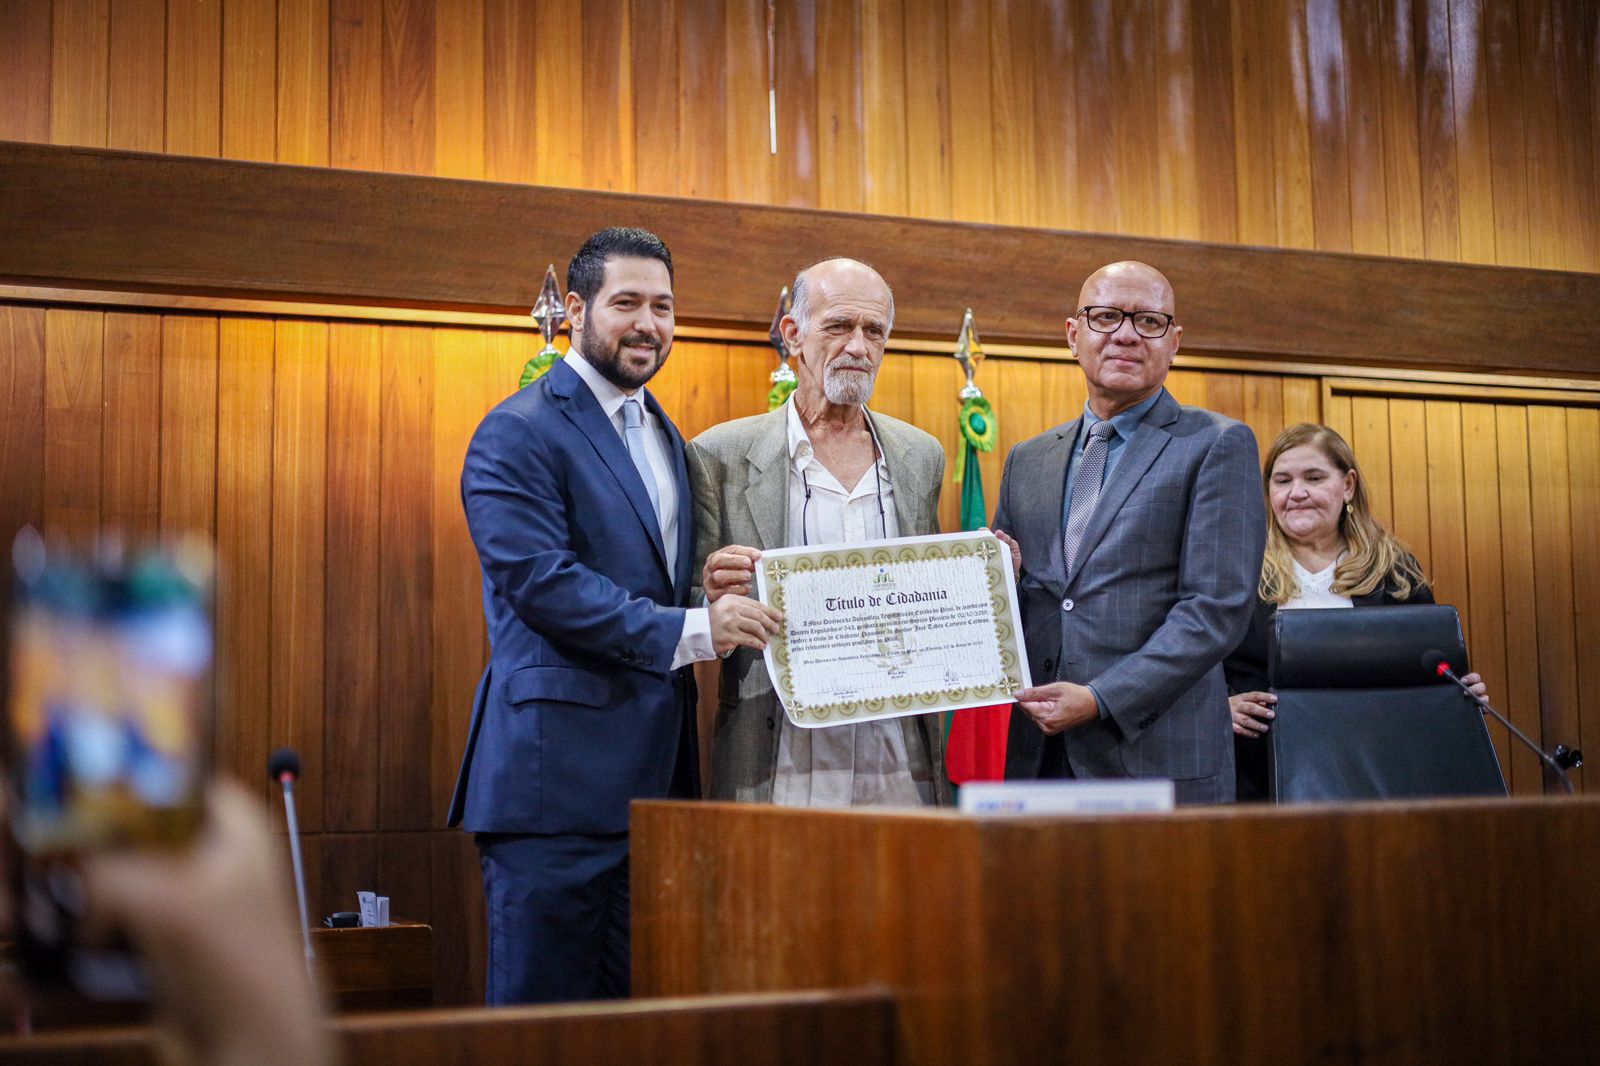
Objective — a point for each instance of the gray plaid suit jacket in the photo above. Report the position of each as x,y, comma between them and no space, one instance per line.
739,472
1165,583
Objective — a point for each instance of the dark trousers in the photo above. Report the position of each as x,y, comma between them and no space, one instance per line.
558,917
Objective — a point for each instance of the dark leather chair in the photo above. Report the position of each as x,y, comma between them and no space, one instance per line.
1360,718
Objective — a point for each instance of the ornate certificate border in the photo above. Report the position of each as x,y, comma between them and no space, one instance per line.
779,565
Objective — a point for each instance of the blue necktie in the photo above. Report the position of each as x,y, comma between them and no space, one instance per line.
1086,489
633,433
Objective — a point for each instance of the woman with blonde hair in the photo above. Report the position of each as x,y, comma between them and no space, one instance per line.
1324,549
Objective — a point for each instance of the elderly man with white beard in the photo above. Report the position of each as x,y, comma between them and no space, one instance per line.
822,469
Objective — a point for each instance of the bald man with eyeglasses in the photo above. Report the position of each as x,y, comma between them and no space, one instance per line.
1140,528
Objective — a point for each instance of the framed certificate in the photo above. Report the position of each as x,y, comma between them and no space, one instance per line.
893,627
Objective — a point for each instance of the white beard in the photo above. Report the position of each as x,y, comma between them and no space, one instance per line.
845,388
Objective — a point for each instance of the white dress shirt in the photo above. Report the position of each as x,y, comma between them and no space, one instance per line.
694,644
847,765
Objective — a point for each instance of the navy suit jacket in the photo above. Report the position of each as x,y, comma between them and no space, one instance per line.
578,711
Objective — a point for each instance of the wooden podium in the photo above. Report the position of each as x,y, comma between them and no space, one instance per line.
1450,931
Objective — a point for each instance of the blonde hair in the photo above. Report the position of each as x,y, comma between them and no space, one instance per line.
1374,557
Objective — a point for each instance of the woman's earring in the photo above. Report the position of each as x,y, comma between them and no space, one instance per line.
1348,509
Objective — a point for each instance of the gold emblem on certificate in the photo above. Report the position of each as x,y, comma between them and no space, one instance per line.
894,627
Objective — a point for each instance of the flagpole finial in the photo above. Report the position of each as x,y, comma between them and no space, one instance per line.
549,310
969,353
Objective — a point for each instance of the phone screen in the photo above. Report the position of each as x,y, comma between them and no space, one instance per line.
109,730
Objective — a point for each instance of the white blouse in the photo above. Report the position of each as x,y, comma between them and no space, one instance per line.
1316,590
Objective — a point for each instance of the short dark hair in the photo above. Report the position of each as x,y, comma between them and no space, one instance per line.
587,271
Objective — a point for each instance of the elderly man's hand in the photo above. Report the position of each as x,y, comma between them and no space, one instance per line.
728,571
1058,706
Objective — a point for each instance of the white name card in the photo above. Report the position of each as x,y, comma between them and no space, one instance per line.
1013,798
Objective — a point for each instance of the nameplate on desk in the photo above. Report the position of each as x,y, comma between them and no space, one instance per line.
1066,797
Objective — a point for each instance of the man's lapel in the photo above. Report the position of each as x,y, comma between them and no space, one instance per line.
912,481
1049,486
767,494
584,411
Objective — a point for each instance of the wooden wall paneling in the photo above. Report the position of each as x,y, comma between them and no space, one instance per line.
25,82
669,385
355,702
405,875
1217,167
514,128
250,80
194,77
244,596
1369,198
655,93
1022,415
349,865
1549,470
1338,413
136,75
299,555
1186,386
22,399
1302,400
408,87
701,117
1437,135
459,89
355,84
1507,149
1224,393
893,394
1093,37
1254,93
750,368
1398,118
1330,116
751,166
607,81
1576,32
1547,214
565,122
1170,40
1369,439
796,178
79,56
1055,118
1583,449
74,342
1065,392
934,384
405,586
1263,408
460,938
928,125
1408,472
1487,606
885,176
1291,135
1521,601
1447,519
130,468
972,142
457,617
1469,96
840,122
188,424
703,402
303,95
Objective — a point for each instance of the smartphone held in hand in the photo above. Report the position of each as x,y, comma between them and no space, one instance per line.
108,714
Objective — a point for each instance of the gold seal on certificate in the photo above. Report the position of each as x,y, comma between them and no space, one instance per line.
893,627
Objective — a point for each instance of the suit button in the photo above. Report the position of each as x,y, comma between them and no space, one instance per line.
1049,666
1067,604
769,721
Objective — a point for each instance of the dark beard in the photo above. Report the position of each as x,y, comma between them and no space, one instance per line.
609,361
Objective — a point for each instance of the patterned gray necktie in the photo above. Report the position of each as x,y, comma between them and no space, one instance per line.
633,433
1086,488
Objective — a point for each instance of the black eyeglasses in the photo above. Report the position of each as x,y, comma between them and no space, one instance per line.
1147,324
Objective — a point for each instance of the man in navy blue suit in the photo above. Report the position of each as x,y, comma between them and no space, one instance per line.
577,497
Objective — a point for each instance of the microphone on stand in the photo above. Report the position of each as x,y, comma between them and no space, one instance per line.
1437,663
283,766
